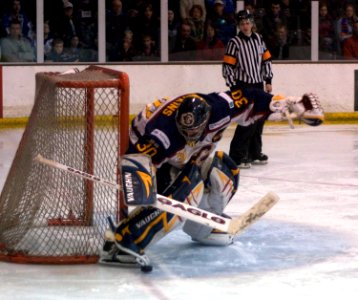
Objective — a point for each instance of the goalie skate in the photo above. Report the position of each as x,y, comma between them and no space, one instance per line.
110,255
124,254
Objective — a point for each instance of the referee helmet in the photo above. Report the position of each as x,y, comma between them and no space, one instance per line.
244,15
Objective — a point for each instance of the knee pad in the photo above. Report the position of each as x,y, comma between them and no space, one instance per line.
188,186
221,180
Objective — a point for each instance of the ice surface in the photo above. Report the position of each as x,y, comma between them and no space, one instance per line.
306,247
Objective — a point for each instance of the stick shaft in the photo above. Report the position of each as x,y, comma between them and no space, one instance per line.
163,203
184,210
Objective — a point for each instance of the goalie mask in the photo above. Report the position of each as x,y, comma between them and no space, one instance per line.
191,117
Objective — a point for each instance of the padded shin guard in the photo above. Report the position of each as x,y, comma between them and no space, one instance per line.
146,225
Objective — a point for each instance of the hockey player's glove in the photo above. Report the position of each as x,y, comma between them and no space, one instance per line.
307,109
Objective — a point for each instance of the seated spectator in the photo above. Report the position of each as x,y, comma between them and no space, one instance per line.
184,45
257,15
147,24
270,22
87,23
58,53
126,50
48,38
68,26
186,5
229,6
224,25
350,46
74,52
345,25
147,50
280,48
173,28
116,24
288,11
16,13
211,48
15,48
196,22
326,32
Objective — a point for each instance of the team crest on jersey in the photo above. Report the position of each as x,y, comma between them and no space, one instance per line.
187,119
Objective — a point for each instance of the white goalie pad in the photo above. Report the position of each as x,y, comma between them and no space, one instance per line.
222,177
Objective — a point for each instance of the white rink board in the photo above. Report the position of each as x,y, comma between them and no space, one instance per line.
334,83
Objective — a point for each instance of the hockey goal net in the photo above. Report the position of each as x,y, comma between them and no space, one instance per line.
47,215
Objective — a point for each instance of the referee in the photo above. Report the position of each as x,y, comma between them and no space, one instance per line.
247,65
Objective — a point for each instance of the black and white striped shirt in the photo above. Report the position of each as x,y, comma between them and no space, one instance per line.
247,60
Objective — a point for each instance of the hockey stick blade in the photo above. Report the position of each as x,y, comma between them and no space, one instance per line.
184,210
237,225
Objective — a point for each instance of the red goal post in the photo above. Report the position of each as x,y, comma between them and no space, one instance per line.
47,216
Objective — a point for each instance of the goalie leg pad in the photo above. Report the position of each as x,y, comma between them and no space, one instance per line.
146,225
138,181
222,180
216,238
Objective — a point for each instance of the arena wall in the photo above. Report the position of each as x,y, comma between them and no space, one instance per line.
334,83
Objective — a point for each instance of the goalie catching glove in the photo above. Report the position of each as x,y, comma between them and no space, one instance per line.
307,109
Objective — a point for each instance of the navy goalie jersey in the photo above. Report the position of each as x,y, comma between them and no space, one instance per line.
154,131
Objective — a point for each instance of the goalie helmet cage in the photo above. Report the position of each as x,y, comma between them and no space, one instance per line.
50,216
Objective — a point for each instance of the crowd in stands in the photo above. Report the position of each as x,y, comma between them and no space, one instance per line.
198,29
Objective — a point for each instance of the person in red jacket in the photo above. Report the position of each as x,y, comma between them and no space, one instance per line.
350,46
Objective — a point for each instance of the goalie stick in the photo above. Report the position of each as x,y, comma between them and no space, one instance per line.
184,210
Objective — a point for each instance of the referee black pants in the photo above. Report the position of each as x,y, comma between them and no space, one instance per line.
246,143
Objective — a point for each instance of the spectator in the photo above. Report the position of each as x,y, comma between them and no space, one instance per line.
257,15
224,24
116,24
211,48
74,52
350,46
174,5
147,50
270,22
126,51
147,24
68,26
15,48
184,44
280,48
58,53
288,11
16,13
173,28
345,25
196,22
326,32
186,5
48,38
87,23
229,6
